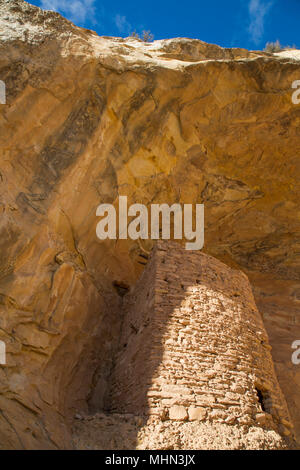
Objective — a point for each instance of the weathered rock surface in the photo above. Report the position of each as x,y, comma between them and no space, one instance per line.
90,118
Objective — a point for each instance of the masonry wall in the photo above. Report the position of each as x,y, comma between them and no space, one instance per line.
193,346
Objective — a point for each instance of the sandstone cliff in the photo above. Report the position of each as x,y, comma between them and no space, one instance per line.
89,118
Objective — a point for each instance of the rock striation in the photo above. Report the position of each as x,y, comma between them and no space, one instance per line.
90,118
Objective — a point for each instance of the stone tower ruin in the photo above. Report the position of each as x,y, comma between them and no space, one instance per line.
193,346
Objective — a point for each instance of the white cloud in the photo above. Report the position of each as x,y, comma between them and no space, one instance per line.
258,10
78,11
122,24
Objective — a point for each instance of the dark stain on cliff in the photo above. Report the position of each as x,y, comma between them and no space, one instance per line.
63,149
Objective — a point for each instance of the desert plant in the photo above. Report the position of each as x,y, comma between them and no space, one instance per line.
273,47
291,47
147,36
134,34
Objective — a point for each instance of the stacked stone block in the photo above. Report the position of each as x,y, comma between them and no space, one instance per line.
193,346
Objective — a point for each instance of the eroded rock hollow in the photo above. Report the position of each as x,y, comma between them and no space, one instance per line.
88,119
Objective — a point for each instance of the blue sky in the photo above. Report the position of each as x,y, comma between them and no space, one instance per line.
231,23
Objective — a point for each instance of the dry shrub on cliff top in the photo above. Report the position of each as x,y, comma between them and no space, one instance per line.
146,36
273,47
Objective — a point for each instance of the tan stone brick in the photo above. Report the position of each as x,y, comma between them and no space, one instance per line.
197,413
178,413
